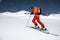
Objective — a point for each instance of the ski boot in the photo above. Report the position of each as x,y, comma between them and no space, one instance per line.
36,26
43,29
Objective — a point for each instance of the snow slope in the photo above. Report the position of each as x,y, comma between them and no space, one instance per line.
13,27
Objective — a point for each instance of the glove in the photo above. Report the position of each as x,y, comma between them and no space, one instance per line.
32,13
31,7
39,11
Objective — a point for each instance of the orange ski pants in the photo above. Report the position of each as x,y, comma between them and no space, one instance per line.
37,18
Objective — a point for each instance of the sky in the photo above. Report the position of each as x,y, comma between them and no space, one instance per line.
49,6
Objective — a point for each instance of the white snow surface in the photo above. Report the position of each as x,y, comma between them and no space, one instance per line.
13,26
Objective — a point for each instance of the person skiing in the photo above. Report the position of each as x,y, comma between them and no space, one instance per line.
37,13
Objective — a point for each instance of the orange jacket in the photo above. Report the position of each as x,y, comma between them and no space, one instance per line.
35,11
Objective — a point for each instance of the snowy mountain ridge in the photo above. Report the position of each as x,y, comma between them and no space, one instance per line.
22,13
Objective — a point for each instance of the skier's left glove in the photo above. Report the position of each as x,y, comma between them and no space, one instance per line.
31,7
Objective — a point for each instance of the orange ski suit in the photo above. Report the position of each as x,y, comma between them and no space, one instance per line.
37,17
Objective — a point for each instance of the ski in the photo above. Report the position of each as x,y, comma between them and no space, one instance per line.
47,32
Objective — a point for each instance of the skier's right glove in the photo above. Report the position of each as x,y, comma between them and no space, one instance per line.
32,13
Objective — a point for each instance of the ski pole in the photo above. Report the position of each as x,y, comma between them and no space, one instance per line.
28,20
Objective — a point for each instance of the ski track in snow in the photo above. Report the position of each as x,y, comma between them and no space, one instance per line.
13,27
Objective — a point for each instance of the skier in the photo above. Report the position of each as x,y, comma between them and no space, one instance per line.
37,13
